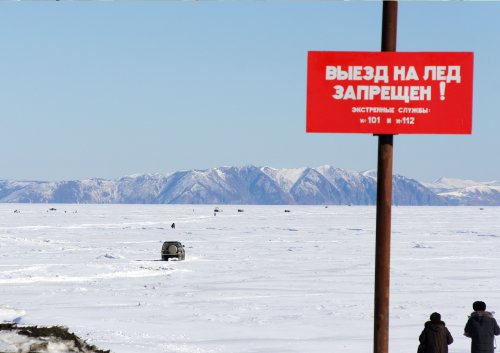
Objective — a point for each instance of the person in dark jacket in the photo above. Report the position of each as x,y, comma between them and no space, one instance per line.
435,337
482,329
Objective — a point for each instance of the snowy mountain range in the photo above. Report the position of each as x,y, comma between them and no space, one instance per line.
251,185
467,192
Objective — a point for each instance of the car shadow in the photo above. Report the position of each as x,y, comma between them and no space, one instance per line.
150,260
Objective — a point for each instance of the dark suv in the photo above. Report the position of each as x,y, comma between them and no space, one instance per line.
172,250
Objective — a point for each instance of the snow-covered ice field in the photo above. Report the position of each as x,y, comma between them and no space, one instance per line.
261,281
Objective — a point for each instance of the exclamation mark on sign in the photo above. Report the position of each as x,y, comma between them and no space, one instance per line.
442,89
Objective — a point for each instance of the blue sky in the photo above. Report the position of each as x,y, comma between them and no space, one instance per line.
106,89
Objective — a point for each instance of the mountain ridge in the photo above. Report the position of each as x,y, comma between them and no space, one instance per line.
251,185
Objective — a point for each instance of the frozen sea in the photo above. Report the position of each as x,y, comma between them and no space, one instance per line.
258,281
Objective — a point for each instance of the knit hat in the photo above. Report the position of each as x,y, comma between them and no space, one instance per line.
435,317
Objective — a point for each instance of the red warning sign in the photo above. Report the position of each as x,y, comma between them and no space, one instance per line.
390,92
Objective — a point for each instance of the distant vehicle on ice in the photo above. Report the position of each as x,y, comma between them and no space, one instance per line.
173,250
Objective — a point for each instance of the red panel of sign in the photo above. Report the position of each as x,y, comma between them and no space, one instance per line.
389,92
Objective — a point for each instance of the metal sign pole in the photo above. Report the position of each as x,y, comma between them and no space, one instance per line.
384,203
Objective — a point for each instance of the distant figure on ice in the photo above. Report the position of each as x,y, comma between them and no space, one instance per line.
435,337
172,226
482,329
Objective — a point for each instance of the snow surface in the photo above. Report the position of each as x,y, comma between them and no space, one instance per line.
10,315
259,281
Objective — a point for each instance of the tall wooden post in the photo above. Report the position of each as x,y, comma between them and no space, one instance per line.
384,203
